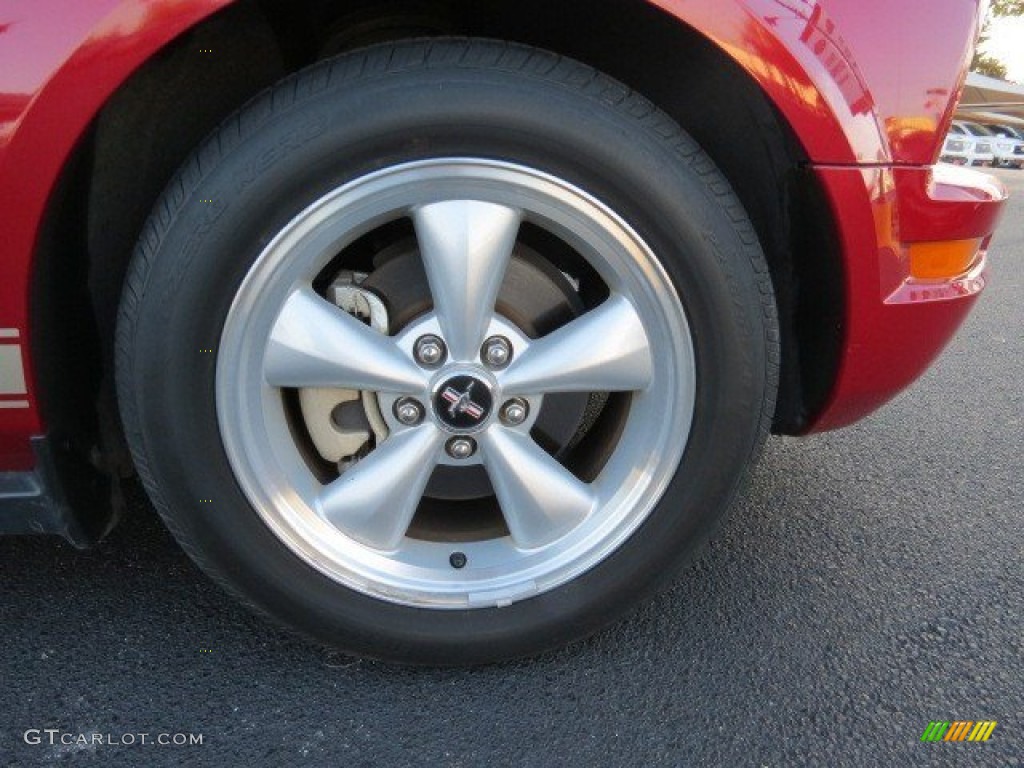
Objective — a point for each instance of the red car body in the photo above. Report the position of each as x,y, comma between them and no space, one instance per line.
868,88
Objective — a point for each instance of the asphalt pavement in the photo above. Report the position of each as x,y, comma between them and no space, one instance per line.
868,582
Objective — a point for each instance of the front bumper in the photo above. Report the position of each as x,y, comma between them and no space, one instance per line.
896,323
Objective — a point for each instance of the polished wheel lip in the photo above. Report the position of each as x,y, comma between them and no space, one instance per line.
417,573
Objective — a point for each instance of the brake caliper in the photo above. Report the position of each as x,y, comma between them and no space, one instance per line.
341,422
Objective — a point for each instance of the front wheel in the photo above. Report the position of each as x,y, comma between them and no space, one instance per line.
446,352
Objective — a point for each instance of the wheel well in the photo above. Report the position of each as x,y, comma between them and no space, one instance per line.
163,111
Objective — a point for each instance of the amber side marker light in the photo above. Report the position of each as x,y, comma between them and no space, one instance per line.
943,259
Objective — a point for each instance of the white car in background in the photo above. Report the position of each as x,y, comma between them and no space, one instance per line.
1009,143
957,149
963,148
1002,147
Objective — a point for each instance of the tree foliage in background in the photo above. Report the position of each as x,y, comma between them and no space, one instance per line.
984,63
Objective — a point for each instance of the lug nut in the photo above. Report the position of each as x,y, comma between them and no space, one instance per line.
408,411
430,350
461,447
496,352
515,411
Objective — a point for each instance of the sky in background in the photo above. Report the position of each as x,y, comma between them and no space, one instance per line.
1006,42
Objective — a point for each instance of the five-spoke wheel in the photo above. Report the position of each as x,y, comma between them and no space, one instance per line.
459,385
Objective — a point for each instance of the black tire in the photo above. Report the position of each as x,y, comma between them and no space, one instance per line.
339,120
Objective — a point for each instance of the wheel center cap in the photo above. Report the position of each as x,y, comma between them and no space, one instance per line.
463,403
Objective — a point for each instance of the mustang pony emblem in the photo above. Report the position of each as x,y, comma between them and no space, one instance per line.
462,402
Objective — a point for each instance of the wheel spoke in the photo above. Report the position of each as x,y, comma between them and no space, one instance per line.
540,499
466,246
315,344
374,501
606,350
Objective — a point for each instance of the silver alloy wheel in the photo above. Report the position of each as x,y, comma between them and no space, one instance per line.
280,334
